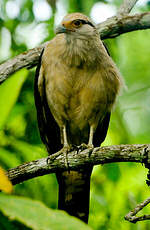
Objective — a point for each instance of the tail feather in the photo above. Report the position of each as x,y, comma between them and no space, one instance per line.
74,192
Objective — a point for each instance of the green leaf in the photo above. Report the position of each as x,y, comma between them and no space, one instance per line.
9,92
6,224
37,216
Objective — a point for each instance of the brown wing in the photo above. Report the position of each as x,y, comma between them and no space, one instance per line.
101,131
102,128
106,48
49,130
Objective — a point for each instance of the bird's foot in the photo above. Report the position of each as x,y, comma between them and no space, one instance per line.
52,157
84,146
65,150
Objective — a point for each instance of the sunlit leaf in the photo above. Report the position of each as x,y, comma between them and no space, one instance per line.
37,216
6,224
9,92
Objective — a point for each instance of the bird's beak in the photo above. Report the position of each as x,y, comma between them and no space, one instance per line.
60,29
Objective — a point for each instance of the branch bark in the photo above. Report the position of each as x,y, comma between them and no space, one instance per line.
116,26
126,7
131,216
27,59
111,28
102,155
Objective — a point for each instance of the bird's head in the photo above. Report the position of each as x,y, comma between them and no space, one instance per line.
78,25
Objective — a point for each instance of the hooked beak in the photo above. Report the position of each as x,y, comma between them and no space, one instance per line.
60,29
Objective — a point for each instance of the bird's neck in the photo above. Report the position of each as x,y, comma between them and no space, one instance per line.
78,51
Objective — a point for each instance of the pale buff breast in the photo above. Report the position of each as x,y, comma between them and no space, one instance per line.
78,94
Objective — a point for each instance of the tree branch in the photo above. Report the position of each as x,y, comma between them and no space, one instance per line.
131,216
111,28
126,7
115,26
27,59
102,155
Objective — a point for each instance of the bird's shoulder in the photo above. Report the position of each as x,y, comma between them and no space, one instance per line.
54,44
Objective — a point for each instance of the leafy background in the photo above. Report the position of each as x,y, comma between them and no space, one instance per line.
115,188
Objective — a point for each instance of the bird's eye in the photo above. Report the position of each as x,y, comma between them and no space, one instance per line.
77,23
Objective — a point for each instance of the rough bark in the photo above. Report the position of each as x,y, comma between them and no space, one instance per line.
126,7
116,26
55,163
27,59
131,216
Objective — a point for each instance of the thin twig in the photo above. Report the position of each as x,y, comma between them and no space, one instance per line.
131,216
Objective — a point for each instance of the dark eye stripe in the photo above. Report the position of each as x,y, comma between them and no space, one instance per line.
87,22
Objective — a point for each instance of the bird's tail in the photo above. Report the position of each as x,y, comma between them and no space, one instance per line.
74,192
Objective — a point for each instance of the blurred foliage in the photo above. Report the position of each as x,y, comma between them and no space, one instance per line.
36,215
115,188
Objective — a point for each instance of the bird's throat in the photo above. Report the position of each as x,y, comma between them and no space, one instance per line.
80,51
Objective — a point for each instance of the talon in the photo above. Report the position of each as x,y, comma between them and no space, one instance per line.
90,146
91,150
48,160
52,157
65,150
84,146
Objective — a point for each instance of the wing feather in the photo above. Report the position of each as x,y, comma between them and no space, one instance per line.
101,130
49,130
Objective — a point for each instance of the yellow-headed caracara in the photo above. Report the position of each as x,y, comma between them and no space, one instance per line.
75,89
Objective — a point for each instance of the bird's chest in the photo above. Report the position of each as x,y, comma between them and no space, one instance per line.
64,86
75,93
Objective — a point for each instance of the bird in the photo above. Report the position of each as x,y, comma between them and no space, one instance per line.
76,86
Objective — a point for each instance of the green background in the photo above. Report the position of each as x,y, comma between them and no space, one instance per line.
115,188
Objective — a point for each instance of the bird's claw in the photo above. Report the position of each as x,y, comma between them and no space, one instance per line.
84,146
53,157
65,150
